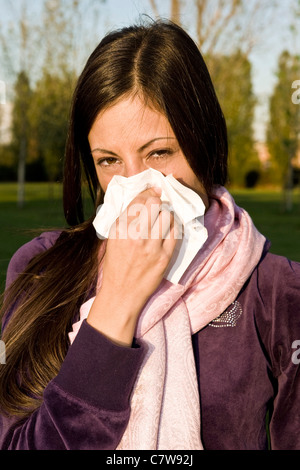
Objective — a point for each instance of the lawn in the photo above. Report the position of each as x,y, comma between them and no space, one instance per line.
280,227
43,210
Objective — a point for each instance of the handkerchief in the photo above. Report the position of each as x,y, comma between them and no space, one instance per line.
186,204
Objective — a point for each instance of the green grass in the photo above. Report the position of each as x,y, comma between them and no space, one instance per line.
280,227
43,210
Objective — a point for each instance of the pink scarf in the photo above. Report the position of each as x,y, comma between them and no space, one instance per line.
165,403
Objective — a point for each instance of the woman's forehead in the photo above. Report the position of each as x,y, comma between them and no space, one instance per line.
131,116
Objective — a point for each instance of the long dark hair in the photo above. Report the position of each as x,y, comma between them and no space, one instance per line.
161,63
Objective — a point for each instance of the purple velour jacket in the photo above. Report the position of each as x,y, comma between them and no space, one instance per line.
247,364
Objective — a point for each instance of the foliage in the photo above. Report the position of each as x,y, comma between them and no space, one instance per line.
219,27
50,111
231,75
39,129
44,59
21,128
42,55
283,137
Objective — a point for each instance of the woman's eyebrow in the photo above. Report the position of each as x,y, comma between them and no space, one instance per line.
141,149
104,151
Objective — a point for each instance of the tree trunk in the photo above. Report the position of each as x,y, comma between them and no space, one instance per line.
21,172
288,189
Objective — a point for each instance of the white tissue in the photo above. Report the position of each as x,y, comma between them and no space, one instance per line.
187,205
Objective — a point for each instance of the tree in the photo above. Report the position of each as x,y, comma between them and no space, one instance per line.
17,48
62,19
51,103
283,134
238,108
38,48
219,27
21,129
2,102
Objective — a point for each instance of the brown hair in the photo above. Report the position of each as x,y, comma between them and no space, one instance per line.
160,62
163,64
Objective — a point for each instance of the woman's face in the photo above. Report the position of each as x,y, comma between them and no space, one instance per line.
130,137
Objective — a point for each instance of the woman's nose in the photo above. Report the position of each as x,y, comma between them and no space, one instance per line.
134,167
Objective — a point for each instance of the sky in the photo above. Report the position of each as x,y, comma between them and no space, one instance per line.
271,41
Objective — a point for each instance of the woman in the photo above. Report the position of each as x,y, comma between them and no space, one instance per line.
151,364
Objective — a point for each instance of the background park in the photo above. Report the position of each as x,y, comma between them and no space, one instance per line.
252,49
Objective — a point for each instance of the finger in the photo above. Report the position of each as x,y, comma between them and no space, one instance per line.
169,243
136,221
126,219
143,197
149,217
162,223
153,191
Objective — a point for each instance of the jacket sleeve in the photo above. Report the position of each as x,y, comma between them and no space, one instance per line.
23,256
87,405
26,253
282,339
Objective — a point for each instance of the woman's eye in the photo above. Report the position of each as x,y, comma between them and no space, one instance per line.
106,161
160,153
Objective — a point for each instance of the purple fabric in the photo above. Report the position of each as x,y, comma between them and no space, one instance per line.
246,368
24,254
74,415
242,370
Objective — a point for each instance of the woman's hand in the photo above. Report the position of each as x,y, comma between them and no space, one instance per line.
138,251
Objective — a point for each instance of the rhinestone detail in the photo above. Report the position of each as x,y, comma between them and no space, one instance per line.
228,318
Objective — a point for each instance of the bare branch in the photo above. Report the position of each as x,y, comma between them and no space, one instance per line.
200,5
154,7
213,19
175,11
223,21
